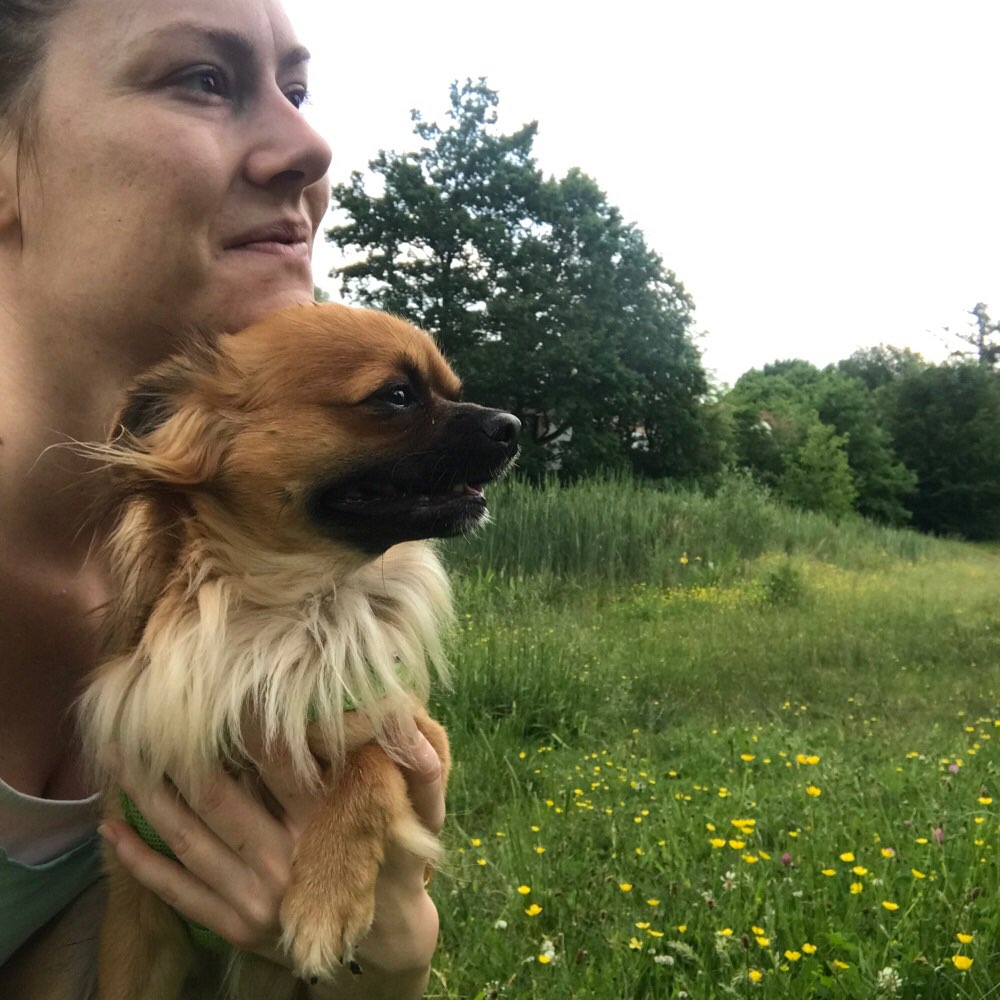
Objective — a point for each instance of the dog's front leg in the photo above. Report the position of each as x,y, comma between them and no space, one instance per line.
145,951
330,903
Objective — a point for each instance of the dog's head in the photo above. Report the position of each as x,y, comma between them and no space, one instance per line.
320,422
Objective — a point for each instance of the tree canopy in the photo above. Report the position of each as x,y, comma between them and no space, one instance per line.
550,304
544,298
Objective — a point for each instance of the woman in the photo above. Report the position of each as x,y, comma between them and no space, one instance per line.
155,174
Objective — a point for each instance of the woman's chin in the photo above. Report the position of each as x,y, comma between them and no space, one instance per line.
240,310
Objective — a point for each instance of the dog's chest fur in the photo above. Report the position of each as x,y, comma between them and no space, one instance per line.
285,649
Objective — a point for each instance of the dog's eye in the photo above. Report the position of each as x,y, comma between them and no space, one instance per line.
399,395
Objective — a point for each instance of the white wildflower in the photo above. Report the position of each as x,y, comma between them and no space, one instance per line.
888,981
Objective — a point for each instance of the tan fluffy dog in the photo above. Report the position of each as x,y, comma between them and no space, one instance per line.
273,491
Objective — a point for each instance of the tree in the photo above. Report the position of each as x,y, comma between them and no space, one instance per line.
819,475
777,414
945,423
546,301
987,351
882,365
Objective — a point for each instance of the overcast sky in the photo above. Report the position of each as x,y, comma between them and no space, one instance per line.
821,176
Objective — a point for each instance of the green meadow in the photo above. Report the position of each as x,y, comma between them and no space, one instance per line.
710,747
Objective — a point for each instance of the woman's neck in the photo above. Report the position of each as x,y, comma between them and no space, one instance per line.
58,384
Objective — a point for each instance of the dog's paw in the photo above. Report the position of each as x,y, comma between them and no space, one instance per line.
320,931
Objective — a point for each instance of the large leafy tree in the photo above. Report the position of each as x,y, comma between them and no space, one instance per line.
546,301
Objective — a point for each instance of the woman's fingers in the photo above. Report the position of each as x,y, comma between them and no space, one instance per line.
235,855
421,767
183,891
235,858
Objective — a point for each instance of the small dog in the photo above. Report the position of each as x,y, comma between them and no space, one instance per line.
274,489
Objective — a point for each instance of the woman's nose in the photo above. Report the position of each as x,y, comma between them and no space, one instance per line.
287,151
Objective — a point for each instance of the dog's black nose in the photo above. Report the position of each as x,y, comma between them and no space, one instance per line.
502,427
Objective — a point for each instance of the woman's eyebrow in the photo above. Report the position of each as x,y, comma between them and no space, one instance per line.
232,44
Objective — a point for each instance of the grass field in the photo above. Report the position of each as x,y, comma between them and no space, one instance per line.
708,748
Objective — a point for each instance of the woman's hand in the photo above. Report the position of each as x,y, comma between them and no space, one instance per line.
235,866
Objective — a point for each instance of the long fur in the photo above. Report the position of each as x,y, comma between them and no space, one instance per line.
240,605
291,645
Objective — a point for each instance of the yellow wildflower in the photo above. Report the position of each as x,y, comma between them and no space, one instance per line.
962,962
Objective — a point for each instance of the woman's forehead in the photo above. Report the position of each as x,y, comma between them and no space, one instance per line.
261,25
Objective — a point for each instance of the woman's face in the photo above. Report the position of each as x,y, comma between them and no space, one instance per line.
174,180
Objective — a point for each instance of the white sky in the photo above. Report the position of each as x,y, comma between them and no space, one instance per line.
821,176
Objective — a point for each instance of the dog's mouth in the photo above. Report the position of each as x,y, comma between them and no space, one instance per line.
430,493
384,507
380,497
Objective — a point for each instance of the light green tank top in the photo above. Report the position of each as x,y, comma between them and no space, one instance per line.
33,891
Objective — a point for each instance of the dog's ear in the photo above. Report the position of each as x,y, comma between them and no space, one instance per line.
171,429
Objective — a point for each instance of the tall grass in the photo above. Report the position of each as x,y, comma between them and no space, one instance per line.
618,530
708,747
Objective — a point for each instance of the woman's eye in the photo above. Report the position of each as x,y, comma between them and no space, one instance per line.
298,96
205,80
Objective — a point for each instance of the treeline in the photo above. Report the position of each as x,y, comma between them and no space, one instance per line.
882,432
549,304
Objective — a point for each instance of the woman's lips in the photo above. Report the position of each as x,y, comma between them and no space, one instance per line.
300,248
284,238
